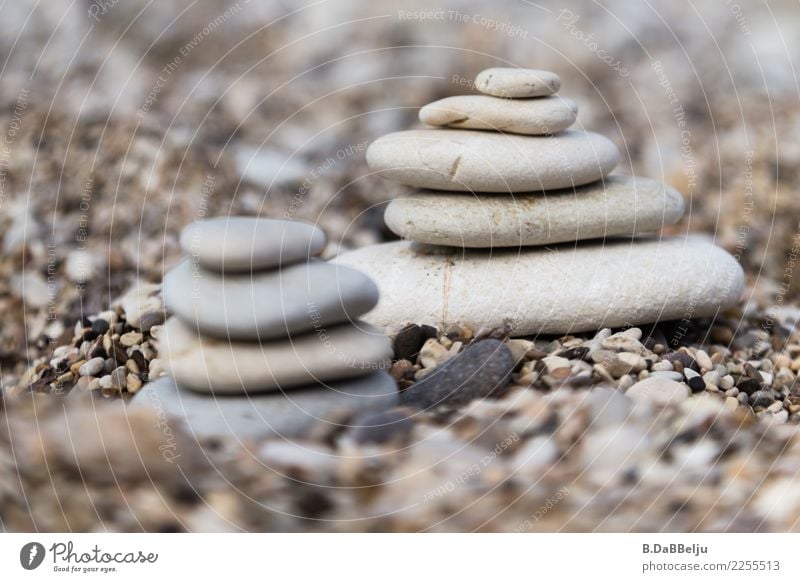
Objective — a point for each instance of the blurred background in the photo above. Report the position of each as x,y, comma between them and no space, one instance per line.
124,120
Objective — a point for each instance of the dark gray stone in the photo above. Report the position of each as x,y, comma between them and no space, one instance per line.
481,370
410,339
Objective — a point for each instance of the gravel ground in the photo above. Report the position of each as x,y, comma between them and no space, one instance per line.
121,125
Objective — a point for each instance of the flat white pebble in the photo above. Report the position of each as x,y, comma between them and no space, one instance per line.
539,290
658,390
524,116
511,82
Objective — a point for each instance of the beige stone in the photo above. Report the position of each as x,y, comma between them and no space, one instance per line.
511,82
464,160
541,290
659,390
525,116
618,205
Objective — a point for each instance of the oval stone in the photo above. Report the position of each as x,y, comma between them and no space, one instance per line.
557,290
224,367
483,369
267,305
480,161
275,414
659,391
526,116
617,205
244,244
511,82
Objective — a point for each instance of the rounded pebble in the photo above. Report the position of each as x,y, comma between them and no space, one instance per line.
268,305
525,116
514,83
244,244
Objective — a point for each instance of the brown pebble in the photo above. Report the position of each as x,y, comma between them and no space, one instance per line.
403,370
133,383
131,338
74,367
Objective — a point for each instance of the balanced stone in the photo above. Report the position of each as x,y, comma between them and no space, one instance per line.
267,305
480,161
526,116
510,82
557,290
287,415
244,244
617,205
224,367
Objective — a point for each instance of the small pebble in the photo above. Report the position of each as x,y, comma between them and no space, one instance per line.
92,368
703,360
131,338
675,376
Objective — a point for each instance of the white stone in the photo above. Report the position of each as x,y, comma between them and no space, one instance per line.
267,305
607,406
32,288
80,266
223,367
618,205
524,116
268,167
288,415
245,244
539,290
611,451
658,390
466,160
536,456
139,301
511,82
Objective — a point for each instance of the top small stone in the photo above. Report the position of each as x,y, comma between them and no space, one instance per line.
239,244
508,82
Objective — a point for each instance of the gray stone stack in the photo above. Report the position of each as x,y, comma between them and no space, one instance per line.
516,224
264,338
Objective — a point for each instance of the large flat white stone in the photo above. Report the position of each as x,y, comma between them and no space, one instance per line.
617,205
567,288
466,160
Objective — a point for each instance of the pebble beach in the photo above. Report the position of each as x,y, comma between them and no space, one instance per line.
629,363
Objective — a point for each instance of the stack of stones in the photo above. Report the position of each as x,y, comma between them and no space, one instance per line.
264,339
516,224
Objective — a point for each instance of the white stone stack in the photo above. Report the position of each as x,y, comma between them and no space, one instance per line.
516,223
265,339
